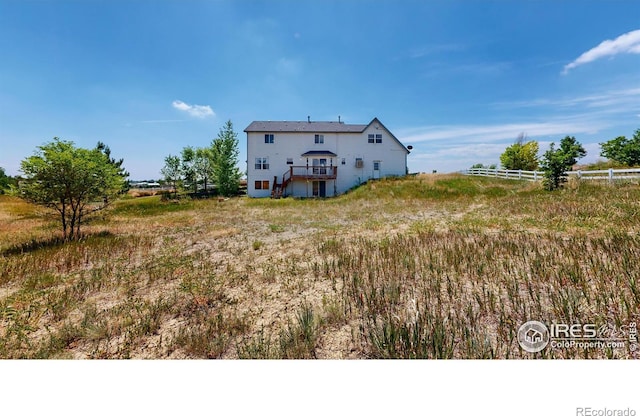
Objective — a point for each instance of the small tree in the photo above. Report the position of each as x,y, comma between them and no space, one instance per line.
188,167
572,151
521,155
172,171
623,150
554,168
224,150
74,182
556,162
203,165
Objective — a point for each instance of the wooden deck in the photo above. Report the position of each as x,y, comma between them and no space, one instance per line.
315,173
302,173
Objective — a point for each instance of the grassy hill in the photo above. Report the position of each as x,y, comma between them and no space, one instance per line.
432,266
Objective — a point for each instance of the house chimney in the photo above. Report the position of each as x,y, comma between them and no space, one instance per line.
308,119
339,120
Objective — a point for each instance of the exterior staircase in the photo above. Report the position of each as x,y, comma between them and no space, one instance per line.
302,173
278,189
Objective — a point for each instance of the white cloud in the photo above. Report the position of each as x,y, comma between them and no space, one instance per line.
451,148
627,43
465,151
199,111
496,132
618,100
592,118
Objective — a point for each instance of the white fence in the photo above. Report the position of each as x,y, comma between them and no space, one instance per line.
608,174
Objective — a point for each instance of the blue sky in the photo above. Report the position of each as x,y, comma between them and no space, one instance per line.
457,80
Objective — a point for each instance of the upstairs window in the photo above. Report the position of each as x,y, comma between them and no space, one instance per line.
371,138
374,138
319,138
378,138
262,163
268,138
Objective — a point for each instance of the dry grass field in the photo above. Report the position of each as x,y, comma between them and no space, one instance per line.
432,266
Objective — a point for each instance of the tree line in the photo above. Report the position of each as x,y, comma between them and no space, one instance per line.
555,162
216,164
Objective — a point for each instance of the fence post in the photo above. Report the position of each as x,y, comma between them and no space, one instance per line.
519,173
610,174
535,175
579,174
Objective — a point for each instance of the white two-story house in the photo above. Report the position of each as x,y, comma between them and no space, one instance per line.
319,158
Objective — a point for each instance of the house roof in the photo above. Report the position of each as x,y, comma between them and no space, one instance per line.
375,120
304,126
318,153
314,127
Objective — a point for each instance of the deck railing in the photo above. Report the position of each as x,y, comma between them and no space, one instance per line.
318,173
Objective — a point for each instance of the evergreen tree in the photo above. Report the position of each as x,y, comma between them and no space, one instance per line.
224,152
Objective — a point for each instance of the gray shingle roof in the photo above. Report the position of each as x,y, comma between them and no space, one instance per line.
305,126
319,153
314,127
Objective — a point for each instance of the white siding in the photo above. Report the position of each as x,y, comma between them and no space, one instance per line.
390,154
